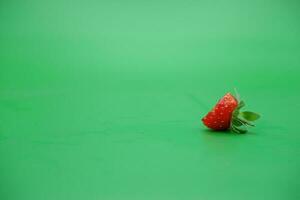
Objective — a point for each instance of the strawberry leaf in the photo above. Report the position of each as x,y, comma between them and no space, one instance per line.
238,129
244,122
241,104
250,116
242,130
236,123
241,120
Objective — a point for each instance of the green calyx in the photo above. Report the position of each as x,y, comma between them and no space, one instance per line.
240,121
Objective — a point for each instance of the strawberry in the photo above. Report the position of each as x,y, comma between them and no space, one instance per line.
226,115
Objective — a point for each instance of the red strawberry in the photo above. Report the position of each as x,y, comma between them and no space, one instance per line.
225,115
220,116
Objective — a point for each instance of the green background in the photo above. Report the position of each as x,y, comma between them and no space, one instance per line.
103,99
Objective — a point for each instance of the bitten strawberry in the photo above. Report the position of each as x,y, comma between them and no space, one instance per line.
226,115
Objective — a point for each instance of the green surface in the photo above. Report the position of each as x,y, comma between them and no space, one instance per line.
103,99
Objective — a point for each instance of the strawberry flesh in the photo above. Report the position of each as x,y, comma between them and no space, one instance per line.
219,117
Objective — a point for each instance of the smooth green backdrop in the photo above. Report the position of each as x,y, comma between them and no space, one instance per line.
102,100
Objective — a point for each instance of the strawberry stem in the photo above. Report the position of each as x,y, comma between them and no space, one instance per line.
237,95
